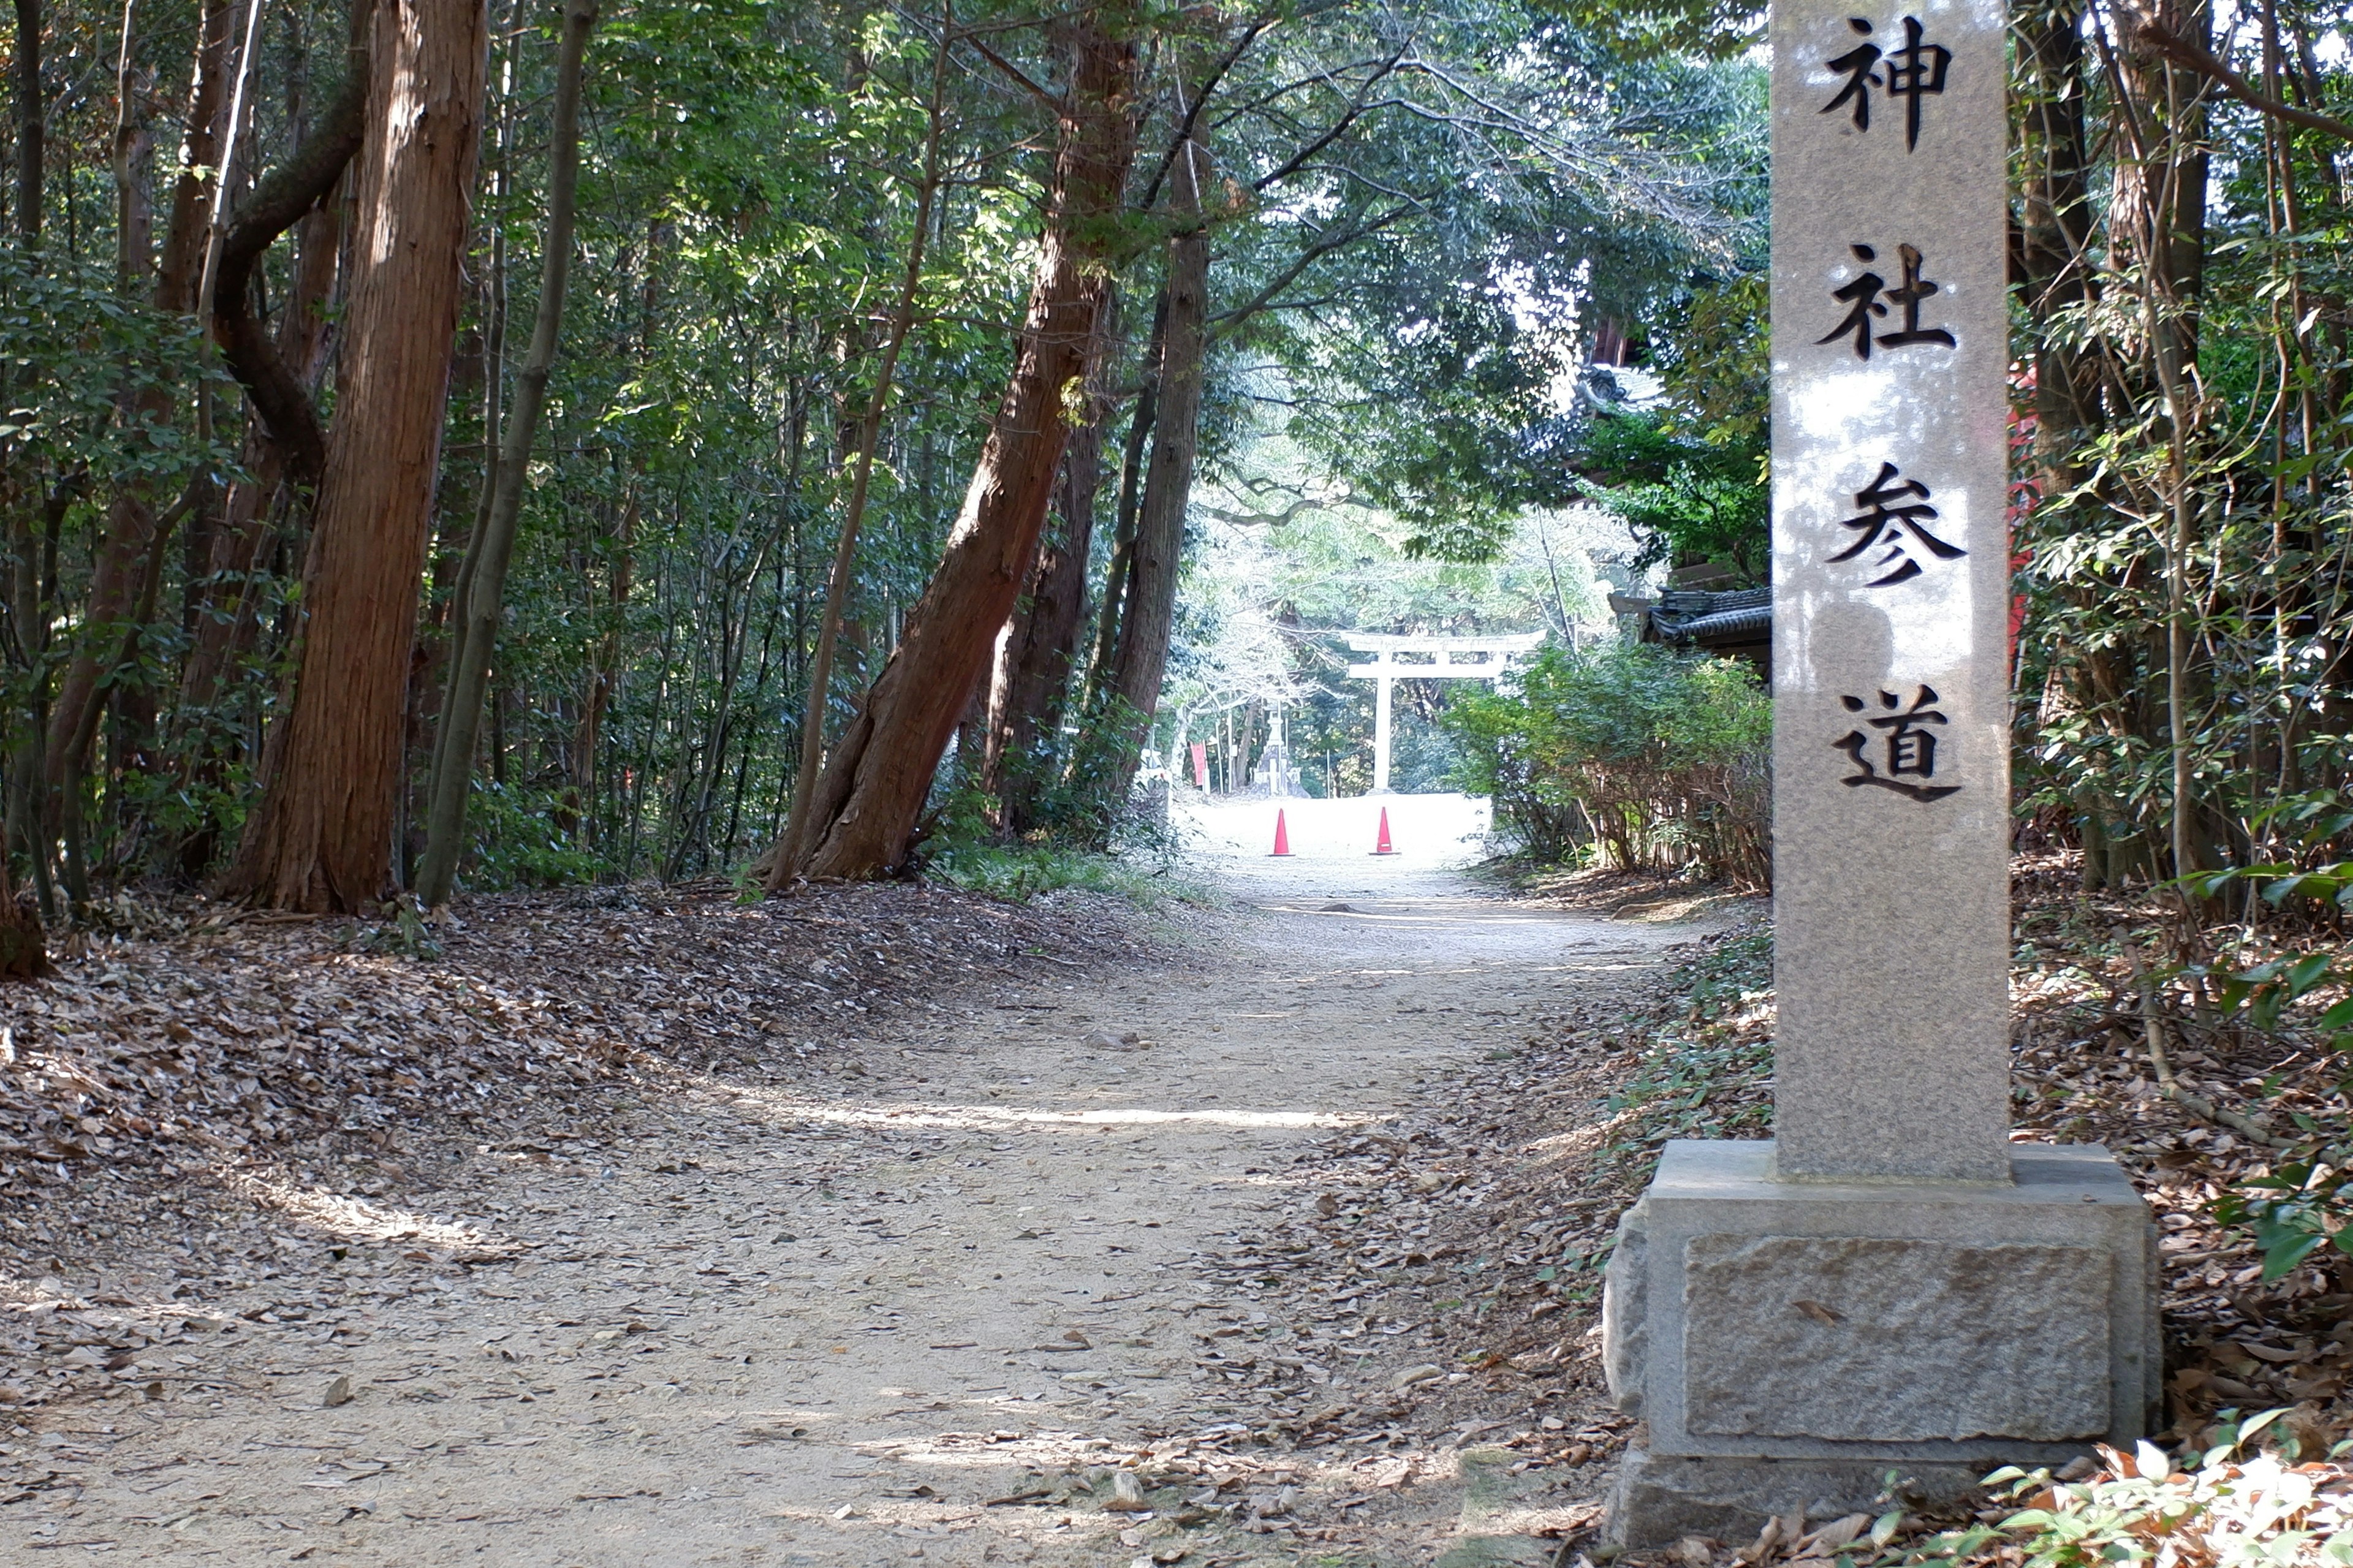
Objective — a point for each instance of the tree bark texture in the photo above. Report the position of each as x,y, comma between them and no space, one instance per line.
871,795
1150,617
322,838
1035,659
477,619
31,123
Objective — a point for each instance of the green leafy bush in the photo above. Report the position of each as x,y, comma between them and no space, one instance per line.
1655,759
518,842
2222,1509
960,847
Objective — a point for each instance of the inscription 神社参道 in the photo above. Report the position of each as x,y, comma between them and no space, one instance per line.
1889,572
1793,1320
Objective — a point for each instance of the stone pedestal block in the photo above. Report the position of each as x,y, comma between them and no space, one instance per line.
1787,1343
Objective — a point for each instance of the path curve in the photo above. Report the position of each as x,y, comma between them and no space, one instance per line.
895,1319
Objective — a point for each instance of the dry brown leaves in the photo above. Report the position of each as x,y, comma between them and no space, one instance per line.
1475,1230
2082,1074
168,1068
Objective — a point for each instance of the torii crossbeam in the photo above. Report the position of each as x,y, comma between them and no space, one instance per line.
1409,658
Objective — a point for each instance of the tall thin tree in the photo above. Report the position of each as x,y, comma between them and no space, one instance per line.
484,575
864,811
777,867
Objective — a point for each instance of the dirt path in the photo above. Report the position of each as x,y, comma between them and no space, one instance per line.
912,1317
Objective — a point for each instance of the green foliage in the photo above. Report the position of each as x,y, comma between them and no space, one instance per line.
74,355
1657,758
1717,366
1705,1071
517,844
2220,1507
1719,27
1426,369
2300,1206
961,849
1690,499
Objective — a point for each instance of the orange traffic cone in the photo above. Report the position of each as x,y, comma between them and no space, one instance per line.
1281,836
1385,847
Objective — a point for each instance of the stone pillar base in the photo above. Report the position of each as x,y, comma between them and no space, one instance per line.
1788,1344
1655,1501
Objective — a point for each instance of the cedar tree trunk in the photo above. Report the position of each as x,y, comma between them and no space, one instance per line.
322,838
1032,676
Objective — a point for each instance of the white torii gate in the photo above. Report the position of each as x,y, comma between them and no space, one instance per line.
1434,658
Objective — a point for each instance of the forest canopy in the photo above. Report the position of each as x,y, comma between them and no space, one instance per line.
776,420
522,554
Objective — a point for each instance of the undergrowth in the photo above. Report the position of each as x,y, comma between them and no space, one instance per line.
1021,872
2218,1506
1705,1070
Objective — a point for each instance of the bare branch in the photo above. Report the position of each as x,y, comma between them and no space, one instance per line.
1020,77
1330,241
2161,41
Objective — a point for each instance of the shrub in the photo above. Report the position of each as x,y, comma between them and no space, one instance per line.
1655,759
2216,1509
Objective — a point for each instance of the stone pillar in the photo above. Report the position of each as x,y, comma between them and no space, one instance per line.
1889,1282
1381,729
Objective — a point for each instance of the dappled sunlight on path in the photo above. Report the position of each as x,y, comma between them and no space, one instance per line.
922,1305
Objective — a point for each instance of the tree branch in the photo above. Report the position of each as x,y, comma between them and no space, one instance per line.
1020,77
1225,321
2161,41
278,203
1293,164
1202,93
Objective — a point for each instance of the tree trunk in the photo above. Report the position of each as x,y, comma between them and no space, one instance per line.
2055,275
863,812
1119,568
23,953
604,666
1032,675
116,579
322,838
31,123
278,203
1151,613
477,619
224,618
777,867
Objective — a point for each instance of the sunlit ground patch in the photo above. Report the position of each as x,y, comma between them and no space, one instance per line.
1005,1116
357,1219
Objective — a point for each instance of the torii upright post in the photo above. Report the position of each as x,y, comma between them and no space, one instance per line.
1889,1284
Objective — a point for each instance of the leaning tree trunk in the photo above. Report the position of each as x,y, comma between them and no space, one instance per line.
863,814
1151,613
477,618
322,838
1034,657
778,864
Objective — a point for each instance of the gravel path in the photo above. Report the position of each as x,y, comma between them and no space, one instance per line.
928,1308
